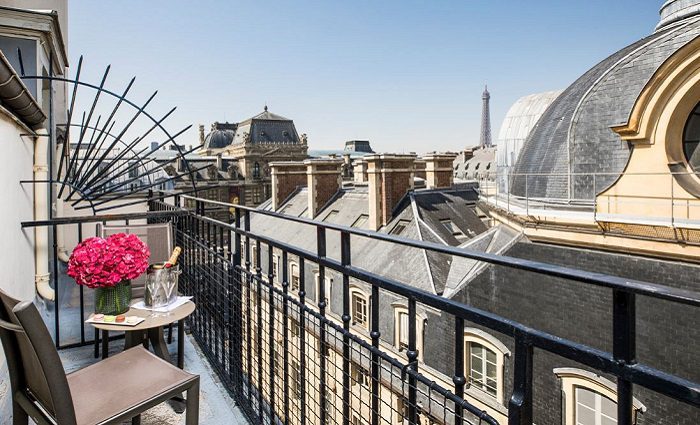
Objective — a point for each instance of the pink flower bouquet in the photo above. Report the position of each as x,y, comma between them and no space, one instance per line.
103,263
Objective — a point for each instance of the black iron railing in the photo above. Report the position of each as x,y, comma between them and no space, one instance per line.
245,319
288,360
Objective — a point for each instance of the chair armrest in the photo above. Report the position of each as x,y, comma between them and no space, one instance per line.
10,326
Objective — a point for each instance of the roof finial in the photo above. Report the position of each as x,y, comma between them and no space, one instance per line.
265,107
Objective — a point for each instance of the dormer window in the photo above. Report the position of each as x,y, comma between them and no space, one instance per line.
453,229
399,228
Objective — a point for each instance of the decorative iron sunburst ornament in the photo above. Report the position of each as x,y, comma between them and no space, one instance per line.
109,156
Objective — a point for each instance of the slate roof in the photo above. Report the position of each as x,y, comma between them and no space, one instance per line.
421,212
480,165
266,127
218,139
574,135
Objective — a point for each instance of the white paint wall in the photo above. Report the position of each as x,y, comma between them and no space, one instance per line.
16,245
16,205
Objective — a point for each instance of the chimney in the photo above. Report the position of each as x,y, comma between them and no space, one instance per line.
390,177
286,177
420,168
324,179
154,146
201,134
359,169
439,170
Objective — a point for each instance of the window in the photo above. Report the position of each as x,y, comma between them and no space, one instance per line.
484,362
275,268
593,408
330,217
399,228
401,409
483,368
295,379
359,375
294,280
326,288
359,308
453,229
294,327
691,140
590,399
402,330
256,170
361,221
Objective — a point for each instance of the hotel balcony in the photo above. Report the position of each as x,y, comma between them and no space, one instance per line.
301,334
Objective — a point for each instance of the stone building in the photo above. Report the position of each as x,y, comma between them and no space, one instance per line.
240,154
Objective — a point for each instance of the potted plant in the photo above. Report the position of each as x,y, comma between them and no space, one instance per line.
108,265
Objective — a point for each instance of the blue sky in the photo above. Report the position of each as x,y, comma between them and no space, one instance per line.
407,75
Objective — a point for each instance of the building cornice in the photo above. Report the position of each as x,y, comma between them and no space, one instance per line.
36,24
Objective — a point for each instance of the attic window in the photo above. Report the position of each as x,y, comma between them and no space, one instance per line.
331,216
399,228
361,221
453,229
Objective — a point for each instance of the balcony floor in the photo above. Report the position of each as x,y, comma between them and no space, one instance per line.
215,405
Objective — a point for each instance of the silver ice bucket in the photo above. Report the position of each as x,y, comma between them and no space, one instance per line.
161,275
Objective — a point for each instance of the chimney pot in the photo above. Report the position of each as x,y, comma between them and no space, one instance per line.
390,177
359,170
439,170
287,176
324,179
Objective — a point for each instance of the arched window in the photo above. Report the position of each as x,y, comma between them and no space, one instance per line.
484,362
691,139
590,399
294,280
256,170
401,324
359,308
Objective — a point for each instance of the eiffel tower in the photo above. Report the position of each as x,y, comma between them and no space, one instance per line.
485,138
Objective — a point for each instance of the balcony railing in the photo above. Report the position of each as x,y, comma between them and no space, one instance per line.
655,199
286,359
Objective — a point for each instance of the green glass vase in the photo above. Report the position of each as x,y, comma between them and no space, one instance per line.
113,300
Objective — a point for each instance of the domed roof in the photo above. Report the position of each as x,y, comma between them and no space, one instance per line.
220,136
675,10
574,139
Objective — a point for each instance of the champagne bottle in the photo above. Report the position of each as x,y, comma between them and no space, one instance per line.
173,257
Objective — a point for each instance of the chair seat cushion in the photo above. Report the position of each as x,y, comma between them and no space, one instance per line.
121,382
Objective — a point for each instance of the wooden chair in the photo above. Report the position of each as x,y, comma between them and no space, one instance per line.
109,392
